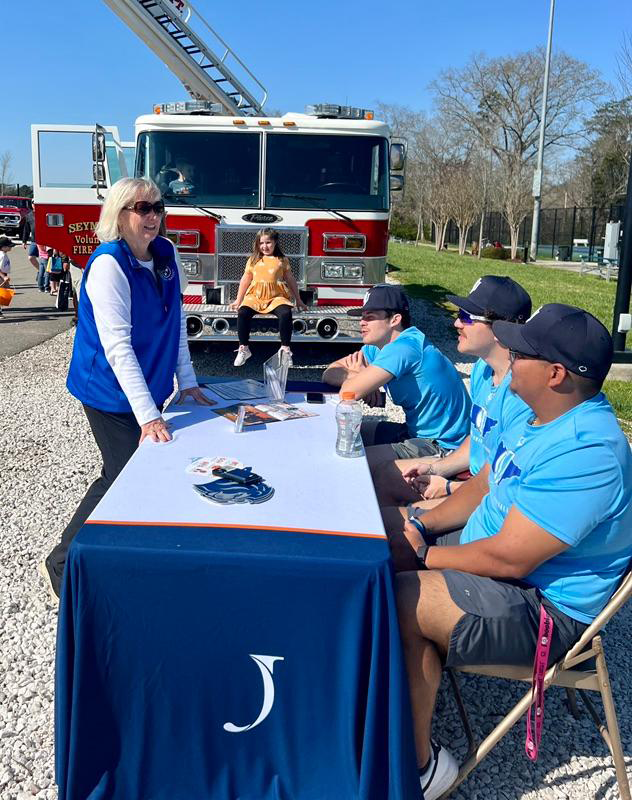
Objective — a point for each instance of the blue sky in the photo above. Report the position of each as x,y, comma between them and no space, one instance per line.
73,61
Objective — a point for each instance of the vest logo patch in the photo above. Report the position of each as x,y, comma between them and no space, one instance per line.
166,273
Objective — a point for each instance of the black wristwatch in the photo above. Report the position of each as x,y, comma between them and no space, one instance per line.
421,553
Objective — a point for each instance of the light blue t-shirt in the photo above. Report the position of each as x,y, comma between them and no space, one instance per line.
573,478
494,409
426,385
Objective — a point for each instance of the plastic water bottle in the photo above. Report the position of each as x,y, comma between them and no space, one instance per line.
349,420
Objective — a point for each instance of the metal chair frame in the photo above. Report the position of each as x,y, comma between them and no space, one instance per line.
564,674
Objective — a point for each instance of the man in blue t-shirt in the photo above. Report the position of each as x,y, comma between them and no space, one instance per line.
417,376
547,525
425,482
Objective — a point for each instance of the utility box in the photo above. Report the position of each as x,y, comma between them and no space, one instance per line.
611,242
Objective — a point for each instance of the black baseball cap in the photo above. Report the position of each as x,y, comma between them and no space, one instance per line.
382,297
4,242
561,334
497,294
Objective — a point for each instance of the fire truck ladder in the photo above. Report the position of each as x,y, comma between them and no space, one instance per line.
205,75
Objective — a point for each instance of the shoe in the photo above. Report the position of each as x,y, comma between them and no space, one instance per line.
287,355
43,571
243,354
440,773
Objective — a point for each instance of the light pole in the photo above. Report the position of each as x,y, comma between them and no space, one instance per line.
537,177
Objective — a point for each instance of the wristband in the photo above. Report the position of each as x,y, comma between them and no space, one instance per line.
448,491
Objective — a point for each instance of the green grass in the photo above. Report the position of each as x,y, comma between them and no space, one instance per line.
433,275
620,395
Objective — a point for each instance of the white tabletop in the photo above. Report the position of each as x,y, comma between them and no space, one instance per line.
315,489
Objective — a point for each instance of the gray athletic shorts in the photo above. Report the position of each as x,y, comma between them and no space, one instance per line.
396,434
501,620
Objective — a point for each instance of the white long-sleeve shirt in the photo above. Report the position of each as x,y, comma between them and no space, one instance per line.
109,292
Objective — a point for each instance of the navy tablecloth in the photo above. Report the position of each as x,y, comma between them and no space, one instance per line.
171,638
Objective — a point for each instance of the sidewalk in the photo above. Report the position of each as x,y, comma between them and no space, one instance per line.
32,317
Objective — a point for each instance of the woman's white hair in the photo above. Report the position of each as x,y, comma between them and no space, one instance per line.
124,193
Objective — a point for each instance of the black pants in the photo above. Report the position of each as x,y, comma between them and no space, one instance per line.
283,314
117,437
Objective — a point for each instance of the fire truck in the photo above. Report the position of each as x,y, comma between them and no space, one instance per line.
323,179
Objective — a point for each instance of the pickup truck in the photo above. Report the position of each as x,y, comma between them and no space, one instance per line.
13,211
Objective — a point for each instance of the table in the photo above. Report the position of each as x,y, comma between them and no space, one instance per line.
243,652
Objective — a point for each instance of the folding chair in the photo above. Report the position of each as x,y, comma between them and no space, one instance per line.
592,678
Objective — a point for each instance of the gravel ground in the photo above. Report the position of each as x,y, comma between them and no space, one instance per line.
48,458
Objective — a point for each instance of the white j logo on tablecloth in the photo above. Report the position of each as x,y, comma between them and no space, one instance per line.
266,666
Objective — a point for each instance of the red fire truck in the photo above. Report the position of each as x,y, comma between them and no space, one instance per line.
323,179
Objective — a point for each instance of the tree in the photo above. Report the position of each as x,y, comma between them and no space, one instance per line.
464,198
6,176
498,102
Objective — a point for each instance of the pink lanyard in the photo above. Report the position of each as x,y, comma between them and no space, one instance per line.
540,664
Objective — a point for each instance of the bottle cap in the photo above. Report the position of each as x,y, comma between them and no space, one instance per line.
347,395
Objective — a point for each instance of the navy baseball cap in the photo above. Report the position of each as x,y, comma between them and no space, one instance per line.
495,294
382,297
4,242
562,335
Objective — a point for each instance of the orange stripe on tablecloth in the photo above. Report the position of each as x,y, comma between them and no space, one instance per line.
234,527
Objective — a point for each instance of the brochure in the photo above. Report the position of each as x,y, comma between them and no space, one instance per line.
263,413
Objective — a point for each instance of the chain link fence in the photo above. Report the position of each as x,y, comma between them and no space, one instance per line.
566,234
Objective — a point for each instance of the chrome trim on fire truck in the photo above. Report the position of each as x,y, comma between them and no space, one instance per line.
374,270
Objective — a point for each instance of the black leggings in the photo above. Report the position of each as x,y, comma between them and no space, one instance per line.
283,314
117,437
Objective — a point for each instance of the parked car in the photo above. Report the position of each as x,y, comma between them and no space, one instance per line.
13,211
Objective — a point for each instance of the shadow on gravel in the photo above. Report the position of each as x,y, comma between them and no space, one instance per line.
18,316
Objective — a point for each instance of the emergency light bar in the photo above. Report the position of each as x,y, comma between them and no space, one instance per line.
188,107
332,111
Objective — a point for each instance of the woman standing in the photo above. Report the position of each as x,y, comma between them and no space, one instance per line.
130,341
265,288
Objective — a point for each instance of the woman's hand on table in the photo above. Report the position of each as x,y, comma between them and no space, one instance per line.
157,430
197,395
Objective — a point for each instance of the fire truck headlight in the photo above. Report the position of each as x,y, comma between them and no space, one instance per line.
354,271
333,270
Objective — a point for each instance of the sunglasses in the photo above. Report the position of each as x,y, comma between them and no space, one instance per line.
514,355
470,319
144,207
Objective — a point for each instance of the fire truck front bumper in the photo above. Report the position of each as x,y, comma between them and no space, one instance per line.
206,323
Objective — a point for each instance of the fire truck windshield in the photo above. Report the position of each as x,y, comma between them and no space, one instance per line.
315,170
198,168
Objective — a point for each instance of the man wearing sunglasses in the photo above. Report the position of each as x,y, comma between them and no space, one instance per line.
425,482
417,376
546,524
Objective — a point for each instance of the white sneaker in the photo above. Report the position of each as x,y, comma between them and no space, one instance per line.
287,355
243,354
440,773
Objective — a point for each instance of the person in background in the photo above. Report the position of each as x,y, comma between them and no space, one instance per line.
431,479
265,289
55,269
28,237
5,263
43,277
131,340
418,377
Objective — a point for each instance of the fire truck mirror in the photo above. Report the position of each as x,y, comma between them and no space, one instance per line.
398,156
397,183
98,173
98,148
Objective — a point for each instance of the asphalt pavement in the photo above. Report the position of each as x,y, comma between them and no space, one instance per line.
32,317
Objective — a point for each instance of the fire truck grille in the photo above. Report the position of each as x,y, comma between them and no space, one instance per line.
234,245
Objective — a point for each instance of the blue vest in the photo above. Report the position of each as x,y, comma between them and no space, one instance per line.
155,317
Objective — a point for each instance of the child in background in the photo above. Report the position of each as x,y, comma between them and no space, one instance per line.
265,289
54,269
5,263
65,286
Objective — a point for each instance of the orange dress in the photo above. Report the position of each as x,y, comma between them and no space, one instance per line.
268,288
